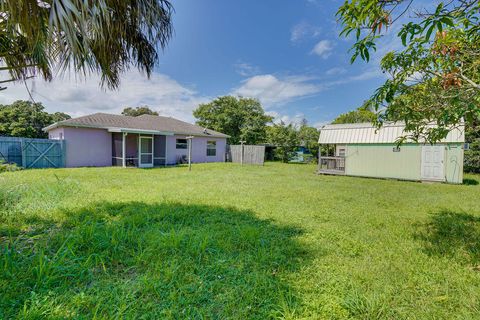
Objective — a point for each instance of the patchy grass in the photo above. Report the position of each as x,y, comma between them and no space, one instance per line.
226,241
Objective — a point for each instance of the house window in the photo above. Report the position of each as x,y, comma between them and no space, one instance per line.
211,148
54,137
182,144
341,152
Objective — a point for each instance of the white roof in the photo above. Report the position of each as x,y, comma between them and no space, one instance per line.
366,133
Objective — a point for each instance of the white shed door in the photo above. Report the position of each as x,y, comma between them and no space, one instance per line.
432,163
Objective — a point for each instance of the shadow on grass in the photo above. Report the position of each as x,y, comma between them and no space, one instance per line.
470,182
454,235
132,260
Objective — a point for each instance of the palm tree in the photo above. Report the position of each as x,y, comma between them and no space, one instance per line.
42,37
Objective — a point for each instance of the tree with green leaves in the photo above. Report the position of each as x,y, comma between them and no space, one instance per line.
27,119
243,119
285,138
59,116
436,77
308,137
108,37
138,111
472,156
359,115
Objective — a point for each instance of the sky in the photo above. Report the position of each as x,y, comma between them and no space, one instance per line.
286,53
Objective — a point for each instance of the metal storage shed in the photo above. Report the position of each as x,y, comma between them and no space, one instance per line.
363,150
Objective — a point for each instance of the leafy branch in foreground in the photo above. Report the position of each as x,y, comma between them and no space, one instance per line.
109,36
435,78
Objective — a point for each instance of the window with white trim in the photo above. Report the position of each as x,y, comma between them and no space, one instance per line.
182,144
211,148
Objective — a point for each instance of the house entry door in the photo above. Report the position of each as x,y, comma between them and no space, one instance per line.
145,152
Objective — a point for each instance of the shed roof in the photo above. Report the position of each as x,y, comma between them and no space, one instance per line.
366,133
143,123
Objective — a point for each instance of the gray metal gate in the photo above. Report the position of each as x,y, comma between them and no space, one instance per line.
33,153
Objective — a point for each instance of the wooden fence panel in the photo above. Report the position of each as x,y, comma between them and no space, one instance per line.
251,154
33,153
11,150
236,153
254,155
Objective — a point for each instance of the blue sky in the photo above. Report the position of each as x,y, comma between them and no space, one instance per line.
285,53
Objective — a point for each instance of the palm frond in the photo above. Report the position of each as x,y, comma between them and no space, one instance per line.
105,36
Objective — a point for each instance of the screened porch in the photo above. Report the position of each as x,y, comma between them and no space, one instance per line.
139,149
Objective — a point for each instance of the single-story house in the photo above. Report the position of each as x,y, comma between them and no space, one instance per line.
363,150
101,139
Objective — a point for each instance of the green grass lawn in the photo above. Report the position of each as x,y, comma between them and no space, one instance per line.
232,242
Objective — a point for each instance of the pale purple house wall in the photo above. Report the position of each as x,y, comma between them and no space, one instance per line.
199,149
85,147
56,134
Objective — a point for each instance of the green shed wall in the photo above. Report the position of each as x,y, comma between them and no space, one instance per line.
380,161
454,163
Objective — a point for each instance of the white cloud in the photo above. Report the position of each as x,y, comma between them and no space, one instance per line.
323,49
372,70
278,117
415,77
272,113
368,74
313,2
304,30
296,119
320,124
83,96
246,69
271,90
336,71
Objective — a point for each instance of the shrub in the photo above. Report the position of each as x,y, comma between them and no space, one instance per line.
4,167
472,161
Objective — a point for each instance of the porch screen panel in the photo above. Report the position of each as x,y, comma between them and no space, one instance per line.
159,143
131,143
116,149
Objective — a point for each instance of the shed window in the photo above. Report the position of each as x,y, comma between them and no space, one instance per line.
211,148
182,144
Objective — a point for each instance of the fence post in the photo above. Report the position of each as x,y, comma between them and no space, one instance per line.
24,158
64,154
319,158
241,152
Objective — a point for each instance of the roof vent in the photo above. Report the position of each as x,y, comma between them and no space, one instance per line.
205,131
